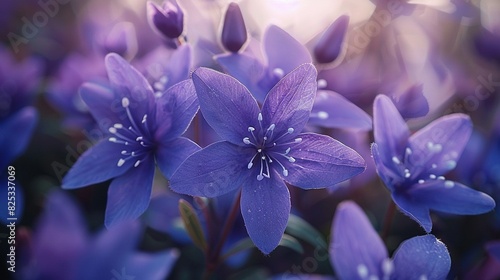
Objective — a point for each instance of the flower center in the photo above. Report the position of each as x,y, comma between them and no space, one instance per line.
269,149
132,137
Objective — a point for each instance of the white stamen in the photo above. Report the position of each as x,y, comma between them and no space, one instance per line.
432,176
112,130
125,102
259,117
285,172
441,178
271,127
449,184
451,164
250,164
246,140
159,86
278,72
144,118
163,79
434,165
323,115
396,160
137,163
408,151
120,162
260,177
251,129
421,181
118,125
290,130
112,139
291,159
298,140
322,83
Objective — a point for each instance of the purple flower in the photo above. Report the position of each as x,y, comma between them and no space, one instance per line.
328,47
234,32
62,91
141,130
164,67
61,248
357,252
412,167
168,19
261,148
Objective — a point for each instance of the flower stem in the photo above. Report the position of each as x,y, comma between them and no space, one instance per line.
213,257
389,216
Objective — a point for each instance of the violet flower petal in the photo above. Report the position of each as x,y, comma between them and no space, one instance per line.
389,129
332,110
130,83
170,155
451,197
16,134
175,110
212,171
438,146
418,212
289,103
321,161
246,69
356,250
283,51
129,194
421,257
265,206
226,104
89,169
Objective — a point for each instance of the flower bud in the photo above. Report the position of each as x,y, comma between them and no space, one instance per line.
234,32
168,19
330,44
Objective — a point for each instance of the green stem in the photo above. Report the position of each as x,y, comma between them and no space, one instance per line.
214,258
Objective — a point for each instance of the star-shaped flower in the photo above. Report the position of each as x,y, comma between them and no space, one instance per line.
262,147
357,252
141,129
412,167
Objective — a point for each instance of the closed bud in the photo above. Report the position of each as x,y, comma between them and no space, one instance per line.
168,19
330,44
234,32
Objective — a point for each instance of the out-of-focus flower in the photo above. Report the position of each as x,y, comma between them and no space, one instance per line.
357,252
62,91
260,72
412,167
261,148
141,130
234,32
168,19
165,67
61,248
329,46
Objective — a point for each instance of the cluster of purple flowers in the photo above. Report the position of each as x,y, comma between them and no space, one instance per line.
228,126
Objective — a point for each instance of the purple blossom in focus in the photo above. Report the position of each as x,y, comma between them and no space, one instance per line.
261,148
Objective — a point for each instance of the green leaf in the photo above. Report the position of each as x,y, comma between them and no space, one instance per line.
298,227
247,243
192,224
292,243
238,247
